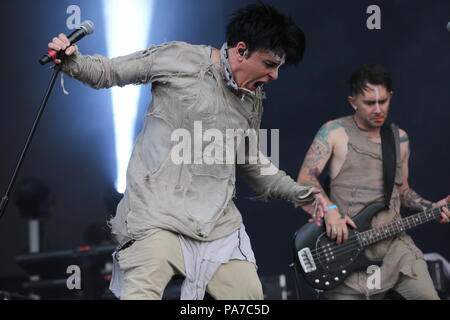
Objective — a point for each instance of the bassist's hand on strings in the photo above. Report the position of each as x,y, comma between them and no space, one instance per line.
336,225
445,212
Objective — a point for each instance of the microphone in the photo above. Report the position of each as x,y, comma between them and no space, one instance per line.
86,28
448,27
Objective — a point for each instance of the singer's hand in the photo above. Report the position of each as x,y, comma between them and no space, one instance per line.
317,208
62,43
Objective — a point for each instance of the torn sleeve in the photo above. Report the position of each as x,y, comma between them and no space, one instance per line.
100,72
136,68
271,183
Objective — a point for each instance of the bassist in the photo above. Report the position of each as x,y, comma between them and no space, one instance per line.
351,147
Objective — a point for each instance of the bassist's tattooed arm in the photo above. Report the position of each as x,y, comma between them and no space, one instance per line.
409,198
414,202
317,157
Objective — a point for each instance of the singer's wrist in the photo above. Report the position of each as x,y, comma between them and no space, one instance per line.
71,64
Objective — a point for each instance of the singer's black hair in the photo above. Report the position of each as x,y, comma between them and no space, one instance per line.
369,73
262,27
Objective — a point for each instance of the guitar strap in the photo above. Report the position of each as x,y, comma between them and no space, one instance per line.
389,155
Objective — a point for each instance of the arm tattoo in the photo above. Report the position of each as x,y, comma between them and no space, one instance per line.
412,201
404,138
320,146
314,172
319,149
313,178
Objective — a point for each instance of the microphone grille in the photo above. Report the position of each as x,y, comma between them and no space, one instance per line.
448,27
88,26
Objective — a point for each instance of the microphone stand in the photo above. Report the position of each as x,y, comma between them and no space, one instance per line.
5,199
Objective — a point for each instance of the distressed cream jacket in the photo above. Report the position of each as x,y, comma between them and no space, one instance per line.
194,199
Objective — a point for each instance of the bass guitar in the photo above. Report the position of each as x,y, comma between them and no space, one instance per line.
324,264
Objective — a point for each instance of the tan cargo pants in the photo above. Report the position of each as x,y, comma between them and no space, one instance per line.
150,263
421,288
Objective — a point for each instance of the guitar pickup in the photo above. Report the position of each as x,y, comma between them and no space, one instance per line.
306,260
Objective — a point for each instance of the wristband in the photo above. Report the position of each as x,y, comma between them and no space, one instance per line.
330,207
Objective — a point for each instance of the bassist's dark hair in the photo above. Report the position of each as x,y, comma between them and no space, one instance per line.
369,73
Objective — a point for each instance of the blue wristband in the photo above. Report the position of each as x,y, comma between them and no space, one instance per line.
330,207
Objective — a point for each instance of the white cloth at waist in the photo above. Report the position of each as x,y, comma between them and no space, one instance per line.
201,261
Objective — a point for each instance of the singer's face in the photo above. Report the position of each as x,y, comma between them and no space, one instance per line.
372,105
259,68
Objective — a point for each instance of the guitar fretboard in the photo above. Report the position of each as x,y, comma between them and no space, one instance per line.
377,234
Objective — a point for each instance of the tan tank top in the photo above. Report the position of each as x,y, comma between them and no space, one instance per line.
359,183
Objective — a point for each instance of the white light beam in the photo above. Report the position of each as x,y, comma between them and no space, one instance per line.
127,30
